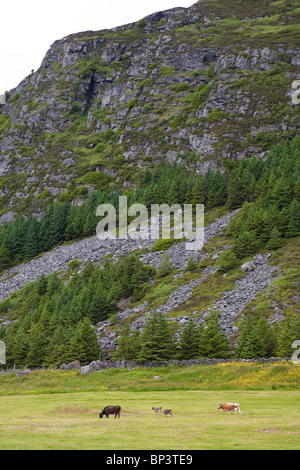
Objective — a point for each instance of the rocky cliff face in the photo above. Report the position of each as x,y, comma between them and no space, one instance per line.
201,86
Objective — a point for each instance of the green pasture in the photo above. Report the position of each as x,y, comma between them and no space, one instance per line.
270,420
56,409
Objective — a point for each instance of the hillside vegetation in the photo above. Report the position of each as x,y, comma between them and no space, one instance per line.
224,377
55,318
188,106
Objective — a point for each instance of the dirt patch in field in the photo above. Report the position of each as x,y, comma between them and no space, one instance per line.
77,410
275,430
272,430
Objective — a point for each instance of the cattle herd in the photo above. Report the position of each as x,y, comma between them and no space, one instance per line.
116,410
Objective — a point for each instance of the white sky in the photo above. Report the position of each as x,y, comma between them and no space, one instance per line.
29,27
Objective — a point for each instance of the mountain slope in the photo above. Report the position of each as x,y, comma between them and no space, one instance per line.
189,106
201,86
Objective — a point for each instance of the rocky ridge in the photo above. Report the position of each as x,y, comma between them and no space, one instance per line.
198,86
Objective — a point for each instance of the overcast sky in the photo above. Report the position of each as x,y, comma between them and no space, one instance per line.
29,27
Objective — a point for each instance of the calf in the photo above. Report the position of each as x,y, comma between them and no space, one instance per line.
168,412
230,407
157,409
110,410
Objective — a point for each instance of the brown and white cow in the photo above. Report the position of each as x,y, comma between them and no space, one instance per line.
230,407
157,409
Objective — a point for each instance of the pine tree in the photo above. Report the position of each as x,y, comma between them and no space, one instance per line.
285,340
281,194
165,266
258,222
283,221
157,343
294,219
5,257
128,344
213,342
189,341
245,244
275,239
84,345
10,341
87,270
36,352
149,197
173,195
100,308
31,248
250,344
21,349
228,261
42,284
219,189
199,191
58,346
297,189
266,335
191,264
236,191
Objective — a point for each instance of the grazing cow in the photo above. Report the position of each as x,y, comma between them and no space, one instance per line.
157,409
110,410
168,412
230,407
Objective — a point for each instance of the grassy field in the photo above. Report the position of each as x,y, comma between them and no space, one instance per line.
270,420
223,376
55,409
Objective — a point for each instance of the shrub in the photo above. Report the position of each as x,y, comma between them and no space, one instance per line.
191,264
141,24
216,115
148,108
73,264
162,244
199,98
96,177
131,103
75,108
166,70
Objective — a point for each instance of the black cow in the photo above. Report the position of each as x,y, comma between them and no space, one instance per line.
110,410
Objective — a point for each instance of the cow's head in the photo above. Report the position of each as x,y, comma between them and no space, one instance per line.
100,415
220,406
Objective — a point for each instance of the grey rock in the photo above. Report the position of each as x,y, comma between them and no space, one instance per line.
23,373
71,365
250,266
68,161
85,370
7,217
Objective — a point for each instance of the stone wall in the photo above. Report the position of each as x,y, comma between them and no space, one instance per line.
124,364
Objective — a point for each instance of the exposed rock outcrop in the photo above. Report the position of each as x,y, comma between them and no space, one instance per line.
187,85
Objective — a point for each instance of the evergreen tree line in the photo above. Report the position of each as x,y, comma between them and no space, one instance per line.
271,211
55,317
257,339
270,189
